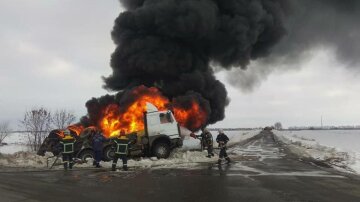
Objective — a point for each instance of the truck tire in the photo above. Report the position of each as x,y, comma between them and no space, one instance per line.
86,155
161,150
109,153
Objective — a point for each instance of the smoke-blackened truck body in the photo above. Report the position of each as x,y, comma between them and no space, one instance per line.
160,137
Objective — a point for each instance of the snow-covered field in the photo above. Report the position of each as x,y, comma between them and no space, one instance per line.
340,148
15,142
188,155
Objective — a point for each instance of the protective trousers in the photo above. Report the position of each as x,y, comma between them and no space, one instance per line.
210,150
123,158
98,156
68,160
223,154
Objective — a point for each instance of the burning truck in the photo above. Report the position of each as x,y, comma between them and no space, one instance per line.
161,134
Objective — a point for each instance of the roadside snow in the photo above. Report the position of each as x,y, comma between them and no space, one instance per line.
339,148
16,142
23,159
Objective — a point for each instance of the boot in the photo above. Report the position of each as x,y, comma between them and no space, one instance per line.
94,163
71,165
212,154
219,162
209,156
125,168
98,165
113,167
228,160
65,166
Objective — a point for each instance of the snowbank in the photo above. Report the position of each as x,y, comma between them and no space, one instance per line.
23,159
326,146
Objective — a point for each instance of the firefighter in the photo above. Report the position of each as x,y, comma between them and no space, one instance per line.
98,142
121,144
222,140
207,141
67,148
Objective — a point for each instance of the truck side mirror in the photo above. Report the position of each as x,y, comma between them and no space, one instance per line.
169,117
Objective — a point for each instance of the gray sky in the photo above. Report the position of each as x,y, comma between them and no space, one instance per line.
53,54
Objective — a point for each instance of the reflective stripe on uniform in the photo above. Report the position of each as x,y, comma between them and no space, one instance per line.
124,148
68,147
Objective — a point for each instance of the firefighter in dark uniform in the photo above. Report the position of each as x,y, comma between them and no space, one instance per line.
98,141
121,144
207,141
67,149
222,139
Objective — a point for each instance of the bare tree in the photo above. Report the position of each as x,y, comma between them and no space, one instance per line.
62,118
37,123
4,130
278,126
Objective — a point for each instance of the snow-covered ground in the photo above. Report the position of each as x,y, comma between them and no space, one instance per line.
16,142
340,148
186,156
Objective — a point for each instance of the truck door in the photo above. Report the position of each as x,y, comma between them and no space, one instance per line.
168,125
153,123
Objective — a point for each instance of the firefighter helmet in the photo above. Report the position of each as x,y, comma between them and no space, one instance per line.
68,137
67,132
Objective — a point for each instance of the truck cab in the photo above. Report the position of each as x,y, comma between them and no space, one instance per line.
161,131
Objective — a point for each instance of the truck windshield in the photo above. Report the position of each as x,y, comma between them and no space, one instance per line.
165,118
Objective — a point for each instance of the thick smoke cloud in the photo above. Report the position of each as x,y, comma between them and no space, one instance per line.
310,24
171,43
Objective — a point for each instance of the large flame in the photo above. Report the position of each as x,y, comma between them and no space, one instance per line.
129,117
77,128
192,117
132,118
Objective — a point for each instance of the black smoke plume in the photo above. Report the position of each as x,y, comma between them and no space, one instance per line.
170,44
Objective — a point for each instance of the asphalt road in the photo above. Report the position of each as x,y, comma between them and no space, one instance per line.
262,171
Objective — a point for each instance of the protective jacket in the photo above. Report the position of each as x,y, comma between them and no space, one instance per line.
222,139
67,145
121,146
207,138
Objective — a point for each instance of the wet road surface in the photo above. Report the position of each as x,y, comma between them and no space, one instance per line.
262,170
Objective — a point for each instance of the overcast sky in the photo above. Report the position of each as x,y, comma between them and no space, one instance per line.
53,54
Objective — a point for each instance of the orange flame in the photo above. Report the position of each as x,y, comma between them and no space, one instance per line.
130,118
191,118
77,128
133,118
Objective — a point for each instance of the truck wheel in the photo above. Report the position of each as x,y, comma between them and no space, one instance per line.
86,155
108,153
161,150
